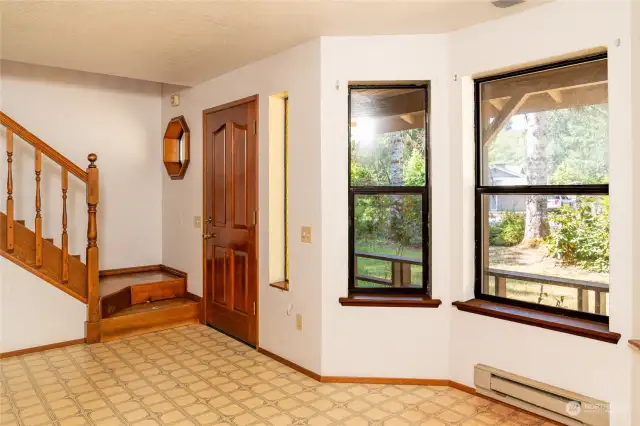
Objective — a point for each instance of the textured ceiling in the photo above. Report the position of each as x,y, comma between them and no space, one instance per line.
186,42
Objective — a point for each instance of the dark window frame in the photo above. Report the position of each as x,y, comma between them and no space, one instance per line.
481,189
424,191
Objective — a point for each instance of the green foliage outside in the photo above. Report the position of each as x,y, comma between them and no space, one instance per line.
581,234
509,232
577,143
388,224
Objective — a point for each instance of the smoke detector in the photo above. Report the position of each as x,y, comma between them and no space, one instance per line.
502,4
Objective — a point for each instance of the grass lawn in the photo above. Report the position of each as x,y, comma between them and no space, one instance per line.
381,268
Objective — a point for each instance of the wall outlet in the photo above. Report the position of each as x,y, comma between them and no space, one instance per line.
305,234
299,322
197,221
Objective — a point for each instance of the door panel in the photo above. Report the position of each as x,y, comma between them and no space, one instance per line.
219,177
219,274
239,176
231,202
240,281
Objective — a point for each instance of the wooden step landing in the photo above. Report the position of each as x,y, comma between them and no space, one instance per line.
148,317
123,288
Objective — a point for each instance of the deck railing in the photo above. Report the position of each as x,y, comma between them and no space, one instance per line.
400,269
582,287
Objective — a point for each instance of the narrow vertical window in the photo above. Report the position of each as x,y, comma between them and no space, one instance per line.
278,191
286,190
388,189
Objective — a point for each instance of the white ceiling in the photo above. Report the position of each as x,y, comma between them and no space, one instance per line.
187,42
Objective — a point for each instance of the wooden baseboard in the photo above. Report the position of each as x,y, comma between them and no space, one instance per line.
396,381
41,348
130,270
145,268
290,364
385,381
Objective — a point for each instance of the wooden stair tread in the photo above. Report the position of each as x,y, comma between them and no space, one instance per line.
154,306
149,317
113,283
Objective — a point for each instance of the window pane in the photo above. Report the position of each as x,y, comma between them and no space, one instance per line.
547,249
388,241
546,128
388,137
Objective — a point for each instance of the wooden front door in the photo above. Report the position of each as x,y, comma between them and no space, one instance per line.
230,231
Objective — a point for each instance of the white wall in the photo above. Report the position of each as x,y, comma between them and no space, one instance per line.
78,113
35,313
296,71
382,342
600,370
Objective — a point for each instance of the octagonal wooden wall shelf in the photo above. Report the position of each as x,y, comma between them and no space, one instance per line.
176,148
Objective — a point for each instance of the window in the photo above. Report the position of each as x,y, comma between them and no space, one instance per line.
388,189
542,224
278,191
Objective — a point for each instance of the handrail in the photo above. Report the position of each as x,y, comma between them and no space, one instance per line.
547,279
37,143
389,257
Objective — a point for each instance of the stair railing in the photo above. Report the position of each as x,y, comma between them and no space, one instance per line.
90,178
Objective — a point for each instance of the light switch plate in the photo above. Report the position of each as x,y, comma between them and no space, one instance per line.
305,234
197,221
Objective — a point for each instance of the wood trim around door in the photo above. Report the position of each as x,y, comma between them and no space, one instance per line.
203,305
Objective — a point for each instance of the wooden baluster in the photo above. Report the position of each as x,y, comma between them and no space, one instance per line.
406,274
601,302
396,274
501,287
38,210
93,290
65,237
10,218
583,300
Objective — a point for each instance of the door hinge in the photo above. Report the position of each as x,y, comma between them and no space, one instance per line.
254,127
254,308
255,217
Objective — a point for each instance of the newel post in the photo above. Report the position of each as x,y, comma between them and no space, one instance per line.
93,289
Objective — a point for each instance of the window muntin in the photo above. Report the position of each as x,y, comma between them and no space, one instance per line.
542,225
388,191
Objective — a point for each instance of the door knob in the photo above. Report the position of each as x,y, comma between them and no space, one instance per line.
208,236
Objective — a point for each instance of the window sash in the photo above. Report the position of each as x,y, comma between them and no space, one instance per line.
422,190
425,288
480,190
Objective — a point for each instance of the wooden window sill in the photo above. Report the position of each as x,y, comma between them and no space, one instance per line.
575,326
390,301
635,343
282,285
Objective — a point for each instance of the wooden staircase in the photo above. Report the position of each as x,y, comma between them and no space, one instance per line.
119,302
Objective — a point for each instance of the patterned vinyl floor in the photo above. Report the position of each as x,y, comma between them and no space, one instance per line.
196,376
